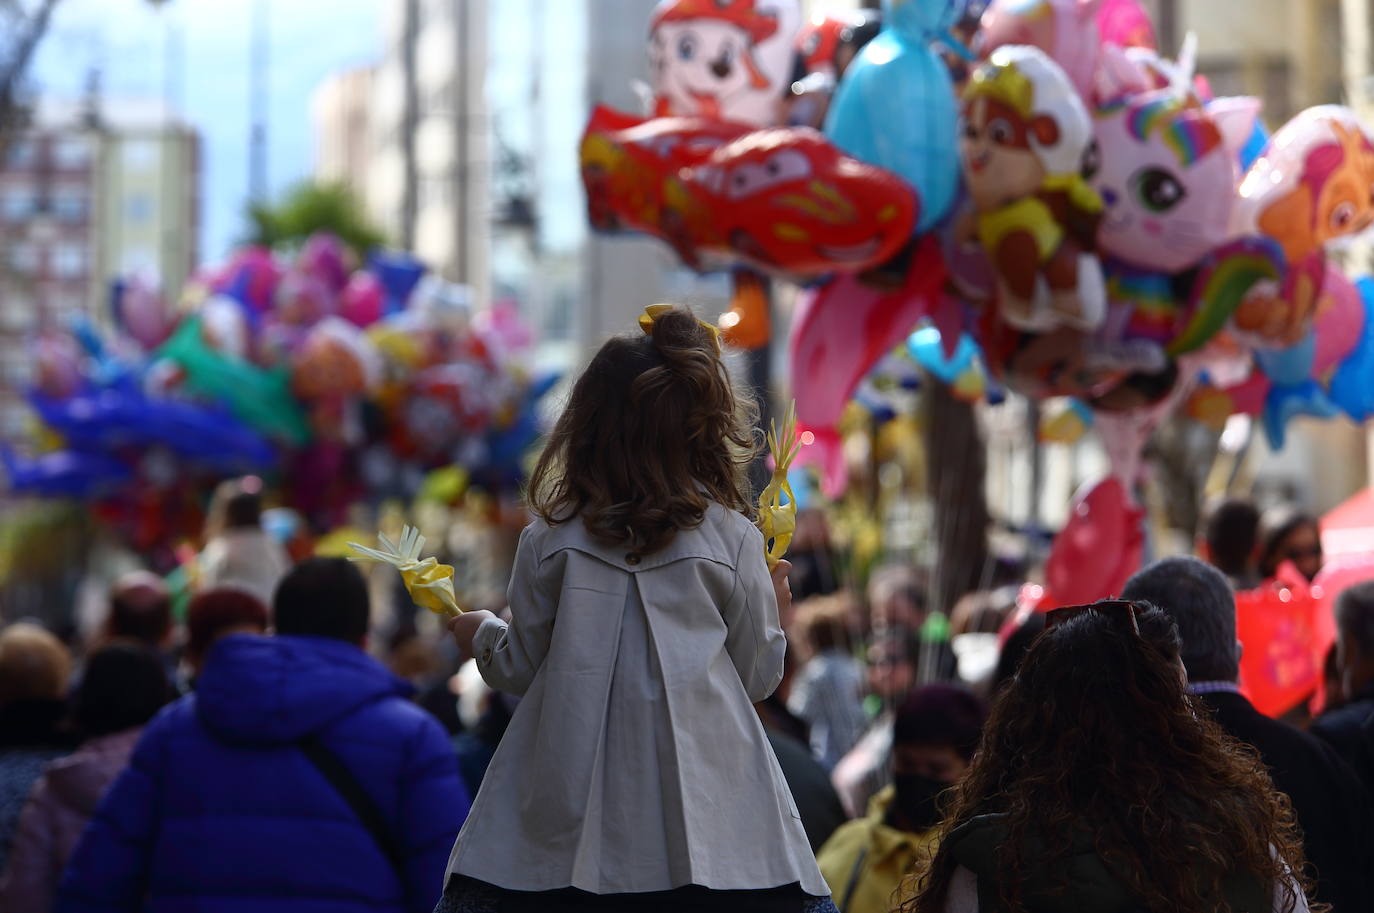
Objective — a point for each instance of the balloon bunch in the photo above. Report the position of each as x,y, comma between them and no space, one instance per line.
719,174
346,382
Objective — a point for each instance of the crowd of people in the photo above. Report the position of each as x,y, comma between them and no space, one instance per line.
658,721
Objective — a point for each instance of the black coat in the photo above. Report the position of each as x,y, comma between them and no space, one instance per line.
1332,806
1350,730
817,803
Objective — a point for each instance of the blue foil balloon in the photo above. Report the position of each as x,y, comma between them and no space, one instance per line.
1254,147
1352,384
895,106
928,350
1294,392
63,474
398,273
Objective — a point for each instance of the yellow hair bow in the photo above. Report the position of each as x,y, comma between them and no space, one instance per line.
654,311
429,583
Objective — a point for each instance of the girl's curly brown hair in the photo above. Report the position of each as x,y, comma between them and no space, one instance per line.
652,433
1097,731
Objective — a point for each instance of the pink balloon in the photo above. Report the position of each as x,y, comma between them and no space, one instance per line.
503,328
1064,29
363,300
1247,397
1340,320
143,313
303,299
843,327
1099,549
1126,24
277,342
324,257
251,276
57,363
840,331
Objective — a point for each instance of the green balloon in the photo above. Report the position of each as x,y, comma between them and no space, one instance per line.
260,398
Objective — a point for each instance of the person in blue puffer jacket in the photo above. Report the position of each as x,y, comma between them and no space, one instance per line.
245,795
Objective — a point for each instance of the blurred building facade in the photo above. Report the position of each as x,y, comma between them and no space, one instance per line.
341,109
473,118
88,193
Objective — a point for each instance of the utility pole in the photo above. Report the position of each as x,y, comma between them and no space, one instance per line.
463,74
410,122
258,102
1169,35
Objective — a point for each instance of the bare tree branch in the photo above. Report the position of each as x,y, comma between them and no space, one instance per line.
24,31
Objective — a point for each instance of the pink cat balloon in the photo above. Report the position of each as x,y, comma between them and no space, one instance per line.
1167,172
1064,29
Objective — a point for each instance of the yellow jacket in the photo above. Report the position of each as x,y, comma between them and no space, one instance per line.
865,861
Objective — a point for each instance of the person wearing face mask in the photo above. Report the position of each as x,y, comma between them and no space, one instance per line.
935,732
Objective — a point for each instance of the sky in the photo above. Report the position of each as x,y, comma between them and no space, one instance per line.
309,39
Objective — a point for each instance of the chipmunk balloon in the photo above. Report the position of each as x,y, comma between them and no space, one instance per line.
1025,136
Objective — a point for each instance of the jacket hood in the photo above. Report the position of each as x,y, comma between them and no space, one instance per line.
1091,885
271,690
80,779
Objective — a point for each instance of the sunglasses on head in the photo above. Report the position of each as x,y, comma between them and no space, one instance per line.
1122,612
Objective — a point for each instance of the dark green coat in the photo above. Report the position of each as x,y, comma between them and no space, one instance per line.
1092,887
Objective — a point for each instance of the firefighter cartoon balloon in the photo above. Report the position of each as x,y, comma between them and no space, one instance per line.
722,59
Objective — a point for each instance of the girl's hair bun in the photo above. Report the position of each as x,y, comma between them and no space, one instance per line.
679,329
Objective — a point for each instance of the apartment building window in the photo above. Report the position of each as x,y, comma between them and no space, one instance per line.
16,313
433,12
14,421
69,206
138,208
69,260
17,203
16,372
140,154
22,154
72,152
24,258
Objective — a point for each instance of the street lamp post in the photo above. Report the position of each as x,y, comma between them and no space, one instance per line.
259,60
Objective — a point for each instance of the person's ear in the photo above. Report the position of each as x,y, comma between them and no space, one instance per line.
1240,652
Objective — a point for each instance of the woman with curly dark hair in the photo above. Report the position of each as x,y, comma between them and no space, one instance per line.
1100,788
635,774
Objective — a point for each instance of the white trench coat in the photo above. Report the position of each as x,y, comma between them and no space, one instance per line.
635,761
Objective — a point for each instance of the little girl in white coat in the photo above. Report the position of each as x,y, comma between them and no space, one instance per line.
635,774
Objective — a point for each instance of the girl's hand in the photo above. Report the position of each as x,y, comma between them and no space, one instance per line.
464,628
782,588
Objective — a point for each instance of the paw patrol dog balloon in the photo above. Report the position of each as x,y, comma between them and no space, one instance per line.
722,59
1024,140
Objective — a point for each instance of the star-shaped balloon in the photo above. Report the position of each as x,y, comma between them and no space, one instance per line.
1286,402
1352,384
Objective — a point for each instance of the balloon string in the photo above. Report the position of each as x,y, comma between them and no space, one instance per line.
948,39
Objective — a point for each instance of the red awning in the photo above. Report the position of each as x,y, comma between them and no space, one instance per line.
1349,528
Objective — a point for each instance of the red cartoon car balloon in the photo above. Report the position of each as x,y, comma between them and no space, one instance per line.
787,201
784,200
630,167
